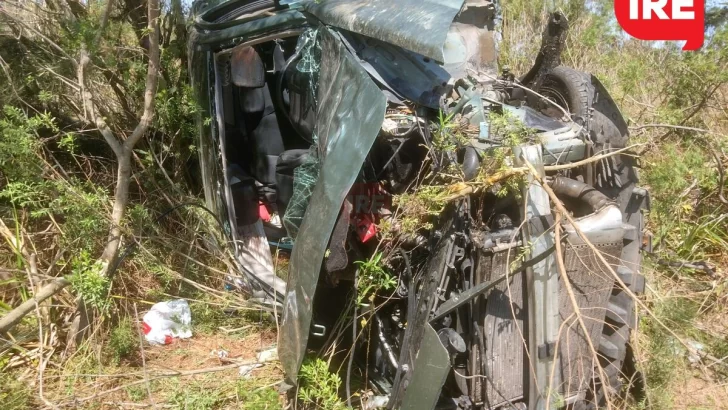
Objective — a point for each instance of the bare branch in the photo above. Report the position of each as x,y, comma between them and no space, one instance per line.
39,34
461,189
16,315
677,127
87,97
152,77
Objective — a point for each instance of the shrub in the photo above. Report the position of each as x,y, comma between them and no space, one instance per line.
319,388
124,340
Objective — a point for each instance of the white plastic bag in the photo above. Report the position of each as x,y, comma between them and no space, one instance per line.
166,321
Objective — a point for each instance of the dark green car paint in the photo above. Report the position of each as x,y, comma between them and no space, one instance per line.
348,119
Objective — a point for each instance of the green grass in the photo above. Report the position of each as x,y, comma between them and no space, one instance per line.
137,393
372,277
662,363
212,391
252,396
208,318
688,225
197,395
124,341
14,394
666,357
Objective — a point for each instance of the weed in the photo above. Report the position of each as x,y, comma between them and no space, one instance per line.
318,386
68,142
372,277
19,143
253,397
417,208
89,283
124,340
207,318
203,394
508,129
14,394
81,205
661,364
666,357
78,367
137,393
671,175
706,236
447,136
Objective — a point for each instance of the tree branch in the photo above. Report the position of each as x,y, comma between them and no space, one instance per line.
87,97
150,88
677,127
461,189
121,193
16,315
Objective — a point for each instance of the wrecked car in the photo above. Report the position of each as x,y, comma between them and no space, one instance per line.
421,190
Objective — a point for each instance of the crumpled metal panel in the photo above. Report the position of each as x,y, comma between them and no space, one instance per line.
349,116
470,51
203,39
409,75
416,25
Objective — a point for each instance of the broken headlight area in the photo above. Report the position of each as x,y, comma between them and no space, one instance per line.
407,175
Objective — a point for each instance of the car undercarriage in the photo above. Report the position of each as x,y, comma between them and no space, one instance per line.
460,237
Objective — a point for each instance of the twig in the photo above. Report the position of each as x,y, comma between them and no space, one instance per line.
589,160
16,315
144,360
700,265
461,189
677,127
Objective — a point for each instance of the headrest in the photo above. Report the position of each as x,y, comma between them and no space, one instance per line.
247,68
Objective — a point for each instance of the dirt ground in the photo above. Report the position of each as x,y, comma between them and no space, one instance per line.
697,393
210,376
